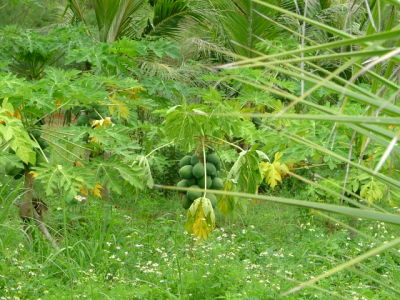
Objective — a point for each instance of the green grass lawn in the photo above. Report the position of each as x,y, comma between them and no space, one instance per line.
139,250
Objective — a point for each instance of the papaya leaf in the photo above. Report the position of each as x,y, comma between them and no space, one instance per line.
201,218
60,178
246,172
111,172
273,172
120,107
373,191
144,163
8,159
12,131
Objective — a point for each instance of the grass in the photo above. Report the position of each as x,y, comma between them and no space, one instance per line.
137,249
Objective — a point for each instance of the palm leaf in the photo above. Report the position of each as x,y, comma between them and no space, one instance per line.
242,25
114,16
169,16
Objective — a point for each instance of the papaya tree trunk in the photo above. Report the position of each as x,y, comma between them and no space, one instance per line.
31,209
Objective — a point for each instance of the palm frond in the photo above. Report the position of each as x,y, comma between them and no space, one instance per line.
168,17
242,24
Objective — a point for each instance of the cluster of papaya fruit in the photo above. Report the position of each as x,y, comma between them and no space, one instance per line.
92,116
192,172
86,117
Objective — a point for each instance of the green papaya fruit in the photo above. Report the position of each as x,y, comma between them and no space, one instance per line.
202,182
186,172
183,183
217,184
214,159
93,115
193,195
198,170
194,160
82,120
191,181
211,169
185,161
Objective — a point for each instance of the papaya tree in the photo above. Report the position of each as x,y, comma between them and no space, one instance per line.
68,123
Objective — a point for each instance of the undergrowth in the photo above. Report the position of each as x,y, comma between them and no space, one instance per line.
137,250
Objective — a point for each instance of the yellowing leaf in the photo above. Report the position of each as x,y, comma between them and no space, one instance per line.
17,114
273,172
223,205
94,139
200,227
201,218
83,191
96,191
120,107
133,92
373,191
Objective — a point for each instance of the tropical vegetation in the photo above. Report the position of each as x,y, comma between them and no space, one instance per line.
181,149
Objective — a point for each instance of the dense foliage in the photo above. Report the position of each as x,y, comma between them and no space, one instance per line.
214,105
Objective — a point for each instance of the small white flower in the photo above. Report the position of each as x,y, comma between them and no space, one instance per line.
80,198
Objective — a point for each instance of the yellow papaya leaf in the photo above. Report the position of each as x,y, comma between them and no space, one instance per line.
96,191
94,139
273,172
83,191
78,164
223,205
201,218
17,114
200,227
373,191
138,89
120,107
134,91
226,204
